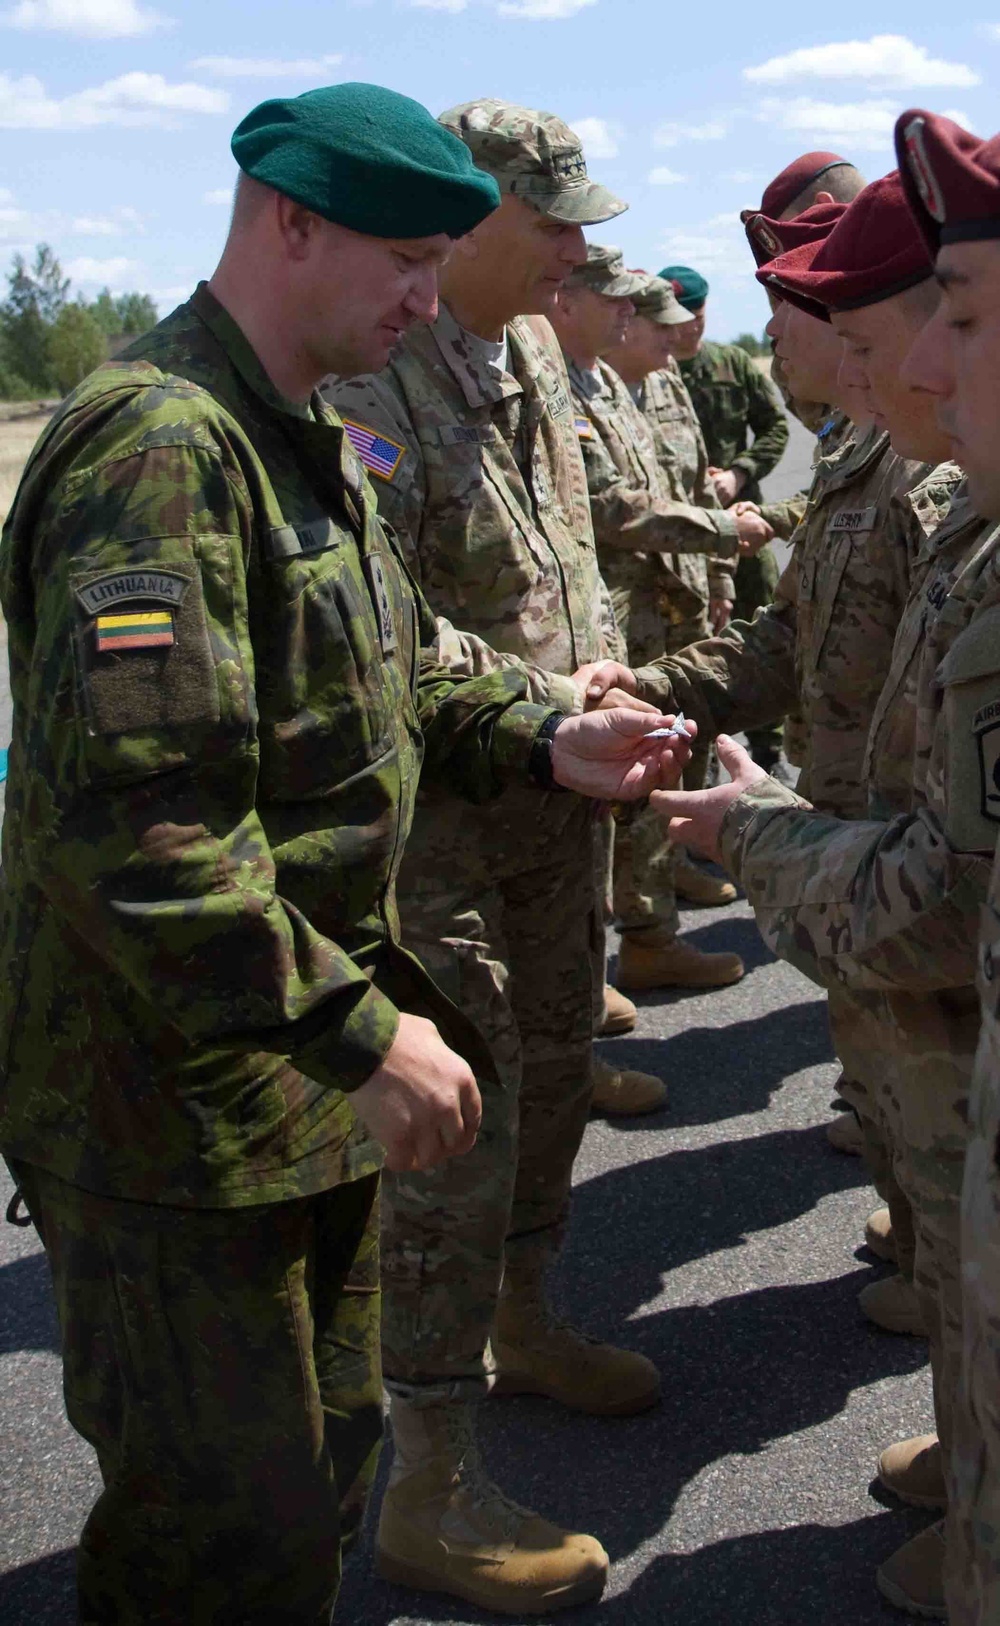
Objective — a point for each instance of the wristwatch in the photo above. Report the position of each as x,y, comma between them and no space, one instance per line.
540,755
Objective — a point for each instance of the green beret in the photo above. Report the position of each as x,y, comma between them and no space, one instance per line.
689,286
366,158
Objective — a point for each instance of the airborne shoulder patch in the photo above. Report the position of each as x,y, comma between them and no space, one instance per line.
377,452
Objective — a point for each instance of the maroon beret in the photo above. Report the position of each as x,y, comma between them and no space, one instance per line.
769,238
785,188
951,178
874,251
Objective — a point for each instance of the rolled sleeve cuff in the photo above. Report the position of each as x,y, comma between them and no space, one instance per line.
513,736
347,1059
563,695
749,466
737,830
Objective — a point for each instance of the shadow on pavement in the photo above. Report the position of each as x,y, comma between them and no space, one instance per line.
27,1312
42,1593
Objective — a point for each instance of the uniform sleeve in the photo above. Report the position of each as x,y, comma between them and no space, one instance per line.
785,517
634,520
745,678
768,422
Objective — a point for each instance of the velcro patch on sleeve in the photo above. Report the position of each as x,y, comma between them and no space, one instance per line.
377,452
152,629
584,428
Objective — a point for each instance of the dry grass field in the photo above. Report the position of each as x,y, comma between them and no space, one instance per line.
20,426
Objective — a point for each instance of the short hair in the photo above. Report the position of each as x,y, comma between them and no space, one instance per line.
843,182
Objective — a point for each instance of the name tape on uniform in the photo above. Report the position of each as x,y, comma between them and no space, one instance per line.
854,519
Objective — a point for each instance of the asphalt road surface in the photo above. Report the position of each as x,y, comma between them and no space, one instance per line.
721,1238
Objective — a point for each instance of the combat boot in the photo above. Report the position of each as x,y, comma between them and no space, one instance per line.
619,1014
844,1134
651,958
620,1092
913,1471
878,1235
892,1304
445,1527
913,1578
538,1355
696,885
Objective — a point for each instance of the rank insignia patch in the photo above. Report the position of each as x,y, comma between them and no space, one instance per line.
378,453
584,428
153,629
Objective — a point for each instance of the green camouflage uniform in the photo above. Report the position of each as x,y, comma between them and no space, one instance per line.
221,704
490,503
733,400
890,905
636,522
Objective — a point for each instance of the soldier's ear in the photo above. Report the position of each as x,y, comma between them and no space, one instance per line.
467,247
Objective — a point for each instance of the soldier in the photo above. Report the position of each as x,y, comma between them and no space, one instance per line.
734,401
889,905
953,186
220,708
639,529
483,480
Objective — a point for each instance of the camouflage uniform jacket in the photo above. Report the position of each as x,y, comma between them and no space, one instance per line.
733,399
892,902
220,709
489,499
786,516
827,640
683,460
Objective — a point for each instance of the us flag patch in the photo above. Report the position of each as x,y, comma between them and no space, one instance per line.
379,455
584,428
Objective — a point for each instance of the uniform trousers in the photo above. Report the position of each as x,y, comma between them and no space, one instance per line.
501,906
224,1365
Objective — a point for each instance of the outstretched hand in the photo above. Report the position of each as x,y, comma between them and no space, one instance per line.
696,815
610,755
608,684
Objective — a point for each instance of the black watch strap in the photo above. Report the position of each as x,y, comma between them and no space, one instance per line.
540,755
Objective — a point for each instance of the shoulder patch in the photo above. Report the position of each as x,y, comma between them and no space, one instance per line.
152,629
377,452
115,587
584,428
854,519
986,727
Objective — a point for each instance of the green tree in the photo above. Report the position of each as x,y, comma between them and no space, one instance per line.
34,299
752,345
124,315
77,344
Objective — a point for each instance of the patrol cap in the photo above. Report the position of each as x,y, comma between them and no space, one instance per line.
366,158
874,251
657,300
951,179
769,237
604,272
534,156
689,286
794,179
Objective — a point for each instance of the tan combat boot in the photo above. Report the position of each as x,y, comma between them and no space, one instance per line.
913,1578
878,1235
445,1527
696,885
844,1134
620,1092
913,1471
651,958
892,1304
619,1014
537,1355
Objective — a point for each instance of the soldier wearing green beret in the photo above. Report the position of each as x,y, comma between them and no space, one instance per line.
223,689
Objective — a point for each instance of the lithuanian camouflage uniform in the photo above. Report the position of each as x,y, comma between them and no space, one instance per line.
890,905
219,701
636,520
490,501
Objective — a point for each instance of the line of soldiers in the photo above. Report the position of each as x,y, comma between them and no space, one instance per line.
276,653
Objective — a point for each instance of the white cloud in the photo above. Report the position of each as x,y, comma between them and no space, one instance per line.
454,6
662,176
885,59
858,126
671,135
96,19
119,223
600,137
219,196
716,247
265,67
107,273
166,298
543,10
132,99
744,177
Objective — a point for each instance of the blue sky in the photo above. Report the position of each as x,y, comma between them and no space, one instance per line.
115,115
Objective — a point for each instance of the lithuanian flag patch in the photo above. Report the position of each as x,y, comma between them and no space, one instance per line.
146,629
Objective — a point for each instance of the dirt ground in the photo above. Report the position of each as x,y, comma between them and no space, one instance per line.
21,424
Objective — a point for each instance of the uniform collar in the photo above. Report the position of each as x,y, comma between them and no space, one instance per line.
479,383
244,359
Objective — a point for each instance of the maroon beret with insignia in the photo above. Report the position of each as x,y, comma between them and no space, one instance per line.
795,177
874,251
769,238
951,178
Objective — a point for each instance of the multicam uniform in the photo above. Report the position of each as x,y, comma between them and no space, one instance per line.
489,498
641,530
220,700
889,905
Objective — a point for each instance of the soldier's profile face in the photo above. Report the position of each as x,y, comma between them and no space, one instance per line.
878,339
528,256
956,359
810,351
685,339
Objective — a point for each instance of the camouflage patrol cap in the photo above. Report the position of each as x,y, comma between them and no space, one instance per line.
657,300
534,156
603,272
